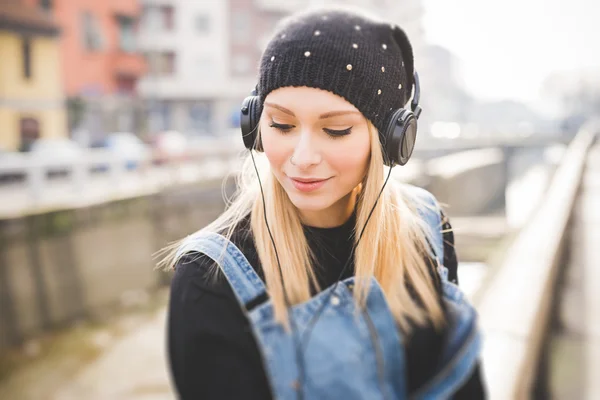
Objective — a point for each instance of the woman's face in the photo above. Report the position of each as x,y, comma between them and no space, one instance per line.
318,146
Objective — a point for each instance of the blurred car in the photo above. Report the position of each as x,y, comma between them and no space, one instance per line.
128,147
10,163
169,146
57,154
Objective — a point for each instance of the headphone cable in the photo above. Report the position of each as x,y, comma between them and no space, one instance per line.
373,333
298,344
314,319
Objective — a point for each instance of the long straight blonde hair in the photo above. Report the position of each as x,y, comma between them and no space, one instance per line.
392,249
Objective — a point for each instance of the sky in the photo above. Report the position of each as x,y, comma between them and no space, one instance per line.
507,48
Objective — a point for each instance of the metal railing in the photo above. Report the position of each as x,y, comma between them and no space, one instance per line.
98,175
515,304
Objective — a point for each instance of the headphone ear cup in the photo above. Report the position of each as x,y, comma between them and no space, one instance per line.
250,115
399,138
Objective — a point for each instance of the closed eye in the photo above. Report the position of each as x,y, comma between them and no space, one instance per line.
281,127
338,133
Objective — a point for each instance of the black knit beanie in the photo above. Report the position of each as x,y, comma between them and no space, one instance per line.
367,62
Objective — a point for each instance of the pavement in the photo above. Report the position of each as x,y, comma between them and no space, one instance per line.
133,368
574,371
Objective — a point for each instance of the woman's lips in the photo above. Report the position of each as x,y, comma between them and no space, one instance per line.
308,186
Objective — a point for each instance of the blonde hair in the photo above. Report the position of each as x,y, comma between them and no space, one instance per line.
392,249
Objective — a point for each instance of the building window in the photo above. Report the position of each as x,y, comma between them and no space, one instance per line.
92,35
203,24
159,116
46,5
158,18
30,132
200,121
168,20
126,85
161,63
26,56
168,63
151,18
126,34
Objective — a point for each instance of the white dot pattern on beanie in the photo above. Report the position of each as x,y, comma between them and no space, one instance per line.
317,33
307,54
382,69
384,46
355,45
357,27
273,58
349,67
379,91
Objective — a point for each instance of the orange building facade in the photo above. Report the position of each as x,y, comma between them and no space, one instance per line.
98,49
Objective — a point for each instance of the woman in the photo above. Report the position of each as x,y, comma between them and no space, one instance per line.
322,280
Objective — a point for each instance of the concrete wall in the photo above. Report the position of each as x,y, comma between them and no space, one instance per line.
61,266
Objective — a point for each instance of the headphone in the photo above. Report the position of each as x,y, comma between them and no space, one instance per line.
397,140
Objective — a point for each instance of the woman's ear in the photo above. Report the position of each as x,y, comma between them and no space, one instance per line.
258,140
258,144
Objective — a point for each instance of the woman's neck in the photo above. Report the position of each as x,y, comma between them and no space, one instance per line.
335,215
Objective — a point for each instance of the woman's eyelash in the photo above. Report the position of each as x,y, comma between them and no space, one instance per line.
331,132
281,127
335,133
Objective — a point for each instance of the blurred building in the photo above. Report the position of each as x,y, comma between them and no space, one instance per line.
203,56
31,93
203,60
100,62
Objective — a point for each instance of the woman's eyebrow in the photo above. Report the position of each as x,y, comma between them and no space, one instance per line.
322,116
337,113
280,108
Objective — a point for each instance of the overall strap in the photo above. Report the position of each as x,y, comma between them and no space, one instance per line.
244,281
429,210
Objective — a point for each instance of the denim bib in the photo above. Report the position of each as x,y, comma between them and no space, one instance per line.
341,357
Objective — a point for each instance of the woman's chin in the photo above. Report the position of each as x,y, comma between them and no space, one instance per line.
305,202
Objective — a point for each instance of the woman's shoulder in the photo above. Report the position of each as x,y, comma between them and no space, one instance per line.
419,196
430,210
192,262
239,233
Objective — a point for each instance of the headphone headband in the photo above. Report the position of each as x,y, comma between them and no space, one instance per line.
397,140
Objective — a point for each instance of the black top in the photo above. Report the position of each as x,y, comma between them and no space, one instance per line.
212,351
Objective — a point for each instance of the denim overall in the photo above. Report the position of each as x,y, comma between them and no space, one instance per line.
340,359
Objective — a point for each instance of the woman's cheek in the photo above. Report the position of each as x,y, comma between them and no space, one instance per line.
274,150
354,157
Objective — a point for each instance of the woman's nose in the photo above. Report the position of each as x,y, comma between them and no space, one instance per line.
305,153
